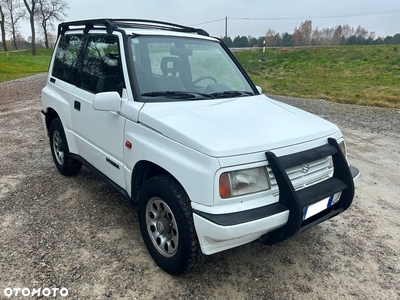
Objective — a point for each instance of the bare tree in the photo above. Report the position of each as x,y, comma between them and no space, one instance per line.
31,8
51,38
302,35
51,11
20,40
327,34
347,31
371,35
16,13
3,30
337,36
316,37
306,31
297,37
270,38
361,32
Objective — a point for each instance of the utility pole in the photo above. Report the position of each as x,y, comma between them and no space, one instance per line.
226,27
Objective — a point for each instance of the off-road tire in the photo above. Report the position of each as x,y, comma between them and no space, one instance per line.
164,190
60,151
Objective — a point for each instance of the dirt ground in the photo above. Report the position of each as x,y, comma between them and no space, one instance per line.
78,233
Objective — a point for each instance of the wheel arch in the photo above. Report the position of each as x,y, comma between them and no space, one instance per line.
51,114
143,171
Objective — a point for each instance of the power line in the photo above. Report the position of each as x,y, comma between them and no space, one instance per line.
208,22
359,14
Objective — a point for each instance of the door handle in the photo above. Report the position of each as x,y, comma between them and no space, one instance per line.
77,105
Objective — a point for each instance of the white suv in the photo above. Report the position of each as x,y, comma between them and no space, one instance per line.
167,116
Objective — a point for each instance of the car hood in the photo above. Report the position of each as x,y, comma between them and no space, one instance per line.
235,126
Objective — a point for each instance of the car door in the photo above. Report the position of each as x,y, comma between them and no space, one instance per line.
59,90
99,134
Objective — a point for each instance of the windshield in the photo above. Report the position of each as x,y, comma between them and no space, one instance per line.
182,69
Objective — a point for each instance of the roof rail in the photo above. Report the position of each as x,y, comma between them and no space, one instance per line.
111,24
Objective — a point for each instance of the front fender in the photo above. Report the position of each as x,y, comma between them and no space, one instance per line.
194,170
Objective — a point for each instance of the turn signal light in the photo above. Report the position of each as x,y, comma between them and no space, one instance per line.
128,144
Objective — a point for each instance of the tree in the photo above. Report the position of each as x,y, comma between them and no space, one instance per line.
352,40
240,41
260,41
327,35
3,30
278,40
337,36
287,40
227,41
396,38
51,38
270,38
31,8
380,40
297,38
302,35
361,32
20,41
306,31
15,13
316,37
347,31
50,11
253,42
371,35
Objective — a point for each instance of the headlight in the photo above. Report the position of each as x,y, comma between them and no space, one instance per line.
242,182
342,145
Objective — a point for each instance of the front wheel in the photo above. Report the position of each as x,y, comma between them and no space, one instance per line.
166,224
60,151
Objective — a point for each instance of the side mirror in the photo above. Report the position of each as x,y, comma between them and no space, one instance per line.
107,101
259,89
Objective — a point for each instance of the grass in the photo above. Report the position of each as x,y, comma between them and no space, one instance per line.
365,75
20,64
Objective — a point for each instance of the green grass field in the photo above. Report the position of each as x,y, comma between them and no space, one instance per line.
22,64
365,75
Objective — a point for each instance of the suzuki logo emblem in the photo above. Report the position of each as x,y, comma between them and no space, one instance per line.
305,168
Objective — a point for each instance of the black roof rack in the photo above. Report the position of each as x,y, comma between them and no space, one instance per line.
112,24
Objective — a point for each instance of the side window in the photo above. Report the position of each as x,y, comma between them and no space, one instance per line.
66,58
101,68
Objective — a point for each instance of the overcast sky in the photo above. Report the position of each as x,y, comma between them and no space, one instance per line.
195,12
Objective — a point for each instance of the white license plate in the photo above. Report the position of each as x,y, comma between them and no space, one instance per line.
315,208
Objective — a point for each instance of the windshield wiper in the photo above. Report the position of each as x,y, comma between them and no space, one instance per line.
178,95
229,94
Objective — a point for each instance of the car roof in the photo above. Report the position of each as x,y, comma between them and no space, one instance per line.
132,26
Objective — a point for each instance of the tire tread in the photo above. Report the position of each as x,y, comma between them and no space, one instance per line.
195,256
70,166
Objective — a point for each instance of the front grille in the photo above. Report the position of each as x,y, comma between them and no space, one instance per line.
318,171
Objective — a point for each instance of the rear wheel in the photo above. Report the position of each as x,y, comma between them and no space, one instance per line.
60,151
166,224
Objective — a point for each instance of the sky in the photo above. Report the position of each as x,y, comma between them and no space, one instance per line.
283,15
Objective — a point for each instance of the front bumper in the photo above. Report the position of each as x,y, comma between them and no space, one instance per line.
279,221
355,173
216,237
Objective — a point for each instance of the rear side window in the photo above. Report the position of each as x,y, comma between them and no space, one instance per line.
101,68
66,58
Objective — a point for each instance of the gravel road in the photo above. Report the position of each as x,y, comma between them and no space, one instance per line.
78,233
